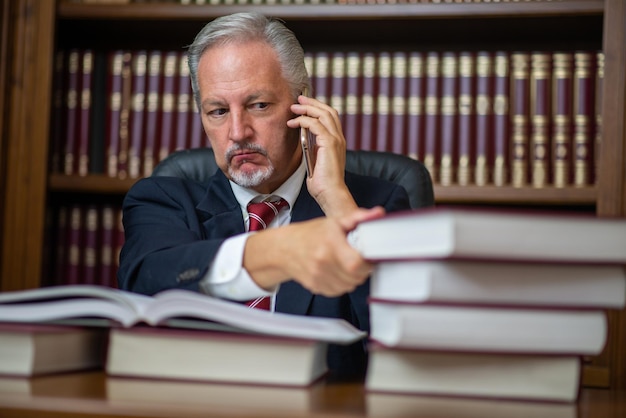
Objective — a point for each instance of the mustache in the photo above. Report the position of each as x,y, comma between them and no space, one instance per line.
242,148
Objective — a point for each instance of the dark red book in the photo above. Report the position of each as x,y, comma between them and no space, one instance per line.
74,245
115,64
338,84
322,71
151,120
415,106
168,103
432,128
137,109
540,116
383,101
61,245
484,118
368,101
562,101
120,238
466,118
107,269
584,117
90,256
58,111
125,112
501,121
598,111
71,112
183,104
196,135
520,108
351,127
398,119
86,69
448,118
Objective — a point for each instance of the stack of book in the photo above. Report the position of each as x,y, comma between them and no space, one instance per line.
490,304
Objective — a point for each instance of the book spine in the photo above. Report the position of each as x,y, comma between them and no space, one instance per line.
368,101
196,129
58,111
399,103
119,243
84,112
74,245
501,129
151,121
383,98
448,119
562,97
520,105
183,103
540,81
71,115
337,90
98,114
484,133
352,104
598,111
89,264
431,112
125,109
466,118
107,245
137,110
322,76
170,68
61,253
114,108
583,118
415,106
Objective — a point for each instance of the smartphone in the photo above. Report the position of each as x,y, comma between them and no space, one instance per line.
307,141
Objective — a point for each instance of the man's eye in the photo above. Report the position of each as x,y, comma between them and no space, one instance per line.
261,105
217,112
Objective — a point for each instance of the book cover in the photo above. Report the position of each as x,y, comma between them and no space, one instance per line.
399,65
466,111
501,121
520,118
139,69
352,123
183,104
107,271
432,134
483,234
58,120
115,63
415,107
480,376
168,103
540,121
598,111
484,118
90,259
368,101
383,101
84,101
126,104
323,73
562,102
152,120
448,118
98,114
584,117
74,244
337,97
71,112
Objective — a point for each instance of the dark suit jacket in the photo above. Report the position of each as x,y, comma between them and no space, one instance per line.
174,228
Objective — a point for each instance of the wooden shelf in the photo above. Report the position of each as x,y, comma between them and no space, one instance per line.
93,183
173,11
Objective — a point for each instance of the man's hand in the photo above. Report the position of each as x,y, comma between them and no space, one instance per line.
314,253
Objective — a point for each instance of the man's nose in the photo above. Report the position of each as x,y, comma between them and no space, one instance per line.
240,127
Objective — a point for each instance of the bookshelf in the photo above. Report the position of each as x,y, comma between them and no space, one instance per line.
28,190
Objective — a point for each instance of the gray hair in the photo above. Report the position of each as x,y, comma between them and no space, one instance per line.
242,27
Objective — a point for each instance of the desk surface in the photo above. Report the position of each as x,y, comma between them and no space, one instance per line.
92,394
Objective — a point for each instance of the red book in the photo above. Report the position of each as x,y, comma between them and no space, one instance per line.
501,93
107,245
598,111
90,258
61,244
58,111
183,104
432,134
337,84
151,120
74,245
139,70
119,243
84,113
399,69
520,108
125,112
196,134
368,72
562,101
540,109
322,71
166,133
484,118
115,64
415,107
383,101
71,114
353,100
584,87
448,118
466,117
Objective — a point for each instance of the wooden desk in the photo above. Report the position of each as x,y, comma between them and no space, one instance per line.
93,394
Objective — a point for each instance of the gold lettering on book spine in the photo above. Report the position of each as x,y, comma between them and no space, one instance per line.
448,109
483,110
338,71
561,137
501,110
466,108
539,118
583,139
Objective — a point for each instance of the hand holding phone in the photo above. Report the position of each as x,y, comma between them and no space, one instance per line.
307,142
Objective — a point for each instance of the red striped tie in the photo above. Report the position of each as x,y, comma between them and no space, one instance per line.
261,215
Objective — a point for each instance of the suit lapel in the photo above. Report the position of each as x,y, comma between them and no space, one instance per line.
219,211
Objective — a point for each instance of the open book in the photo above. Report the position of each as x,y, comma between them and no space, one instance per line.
173,308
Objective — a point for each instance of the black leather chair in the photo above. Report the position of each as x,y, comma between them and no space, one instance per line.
199,164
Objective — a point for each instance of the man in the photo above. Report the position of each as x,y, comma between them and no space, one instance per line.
247,74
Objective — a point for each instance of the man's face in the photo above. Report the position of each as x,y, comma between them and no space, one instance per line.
245,107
